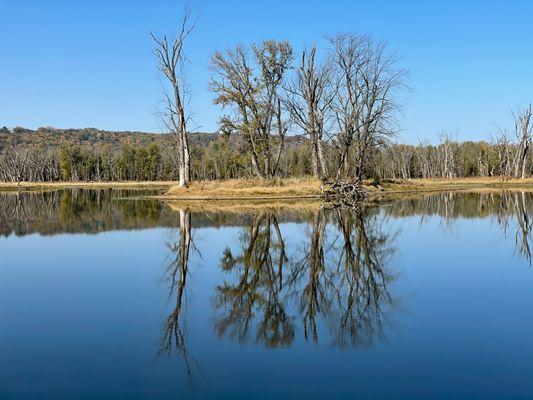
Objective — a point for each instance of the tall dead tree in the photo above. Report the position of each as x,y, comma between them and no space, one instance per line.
171,62
250,86
309,98
501,145
523,130
448,156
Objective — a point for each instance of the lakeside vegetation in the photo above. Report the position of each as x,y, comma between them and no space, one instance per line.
53,158
277,188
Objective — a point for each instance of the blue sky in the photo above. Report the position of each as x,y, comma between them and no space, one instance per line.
89,63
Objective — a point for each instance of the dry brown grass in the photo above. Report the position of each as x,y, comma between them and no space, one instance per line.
456,184
275,189
287,189
473,181
247,189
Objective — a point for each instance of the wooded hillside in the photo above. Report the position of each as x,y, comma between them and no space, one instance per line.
53,138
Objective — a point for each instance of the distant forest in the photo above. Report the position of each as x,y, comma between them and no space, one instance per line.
50,154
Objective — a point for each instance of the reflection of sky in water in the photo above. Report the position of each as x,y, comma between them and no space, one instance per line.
82,315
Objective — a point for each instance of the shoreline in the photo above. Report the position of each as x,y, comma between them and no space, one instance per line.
36,186
291,189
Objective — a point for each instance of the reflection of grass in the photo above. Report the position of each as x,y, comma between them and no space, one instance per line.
237,207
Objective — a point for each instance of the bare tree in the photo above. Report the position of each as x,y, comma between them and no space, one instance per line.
309,97
501,144
251,87
366,104
425,158
448,156
523,130
171,62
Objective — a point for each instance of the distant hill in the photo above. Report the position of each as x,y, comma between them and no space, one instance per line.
51,138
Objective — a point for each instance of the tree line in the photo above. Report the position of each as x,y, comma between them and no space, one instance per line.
220,157
216,159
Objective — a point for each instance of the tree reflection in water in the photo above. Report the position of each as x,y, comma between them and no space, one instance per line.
258,289
309,282
80,211
174,337
340,278
364,272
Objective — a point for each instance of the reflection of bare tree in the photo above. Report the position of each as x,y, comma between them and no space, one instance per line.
256,293
523,234
363,290
515,206
175,327
344,282
339,280
448,208
309,280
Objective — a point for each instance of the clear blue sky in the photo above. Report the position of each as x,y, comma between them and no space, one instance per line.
89,63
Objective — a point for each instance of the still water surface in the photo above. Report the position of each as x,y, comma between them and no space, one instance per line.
103,296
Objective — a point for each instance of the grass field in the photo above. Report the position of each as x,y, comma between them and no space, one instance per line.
420,185
248,189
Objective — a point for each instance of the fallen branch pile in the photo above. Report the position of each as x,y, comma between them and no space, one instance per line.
344,192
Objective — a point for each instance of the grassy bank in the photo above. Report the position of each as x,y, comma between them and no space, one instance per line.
278,189
247,189
430,185
253,189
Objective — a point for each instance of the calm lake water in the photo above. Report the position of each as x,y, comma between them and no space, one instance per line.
104,296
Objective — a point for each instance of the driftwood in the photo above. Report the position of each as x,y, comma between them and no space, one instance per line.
347,193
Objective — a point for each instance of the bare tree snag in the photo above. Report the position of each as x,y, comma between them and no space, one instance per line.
171,62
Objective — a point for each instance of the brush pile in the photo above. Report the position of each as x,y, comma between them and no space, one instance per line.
344,192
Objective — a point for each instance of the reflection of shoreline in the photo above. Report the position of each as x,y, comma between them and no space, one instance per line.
78,211
340,276
94,211
504,207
